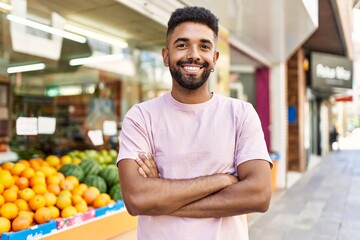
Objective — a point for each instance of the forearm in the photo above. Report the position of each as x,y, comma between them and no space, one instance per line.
155,196
243,197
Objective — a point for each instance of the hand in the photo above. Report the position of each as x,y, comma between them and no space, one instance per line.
147,166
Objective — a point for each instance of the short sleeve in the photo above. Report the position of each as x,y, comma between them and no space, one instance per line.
134,137
250,142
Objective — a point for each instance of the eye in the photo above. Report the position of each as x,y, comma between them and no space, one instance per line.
205,47
181,45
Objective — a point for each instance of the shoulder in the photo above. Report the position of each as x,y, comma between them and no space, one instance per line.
147,107
234,103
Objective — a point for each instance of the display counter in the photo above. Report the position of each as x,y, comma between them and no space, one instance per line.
104,227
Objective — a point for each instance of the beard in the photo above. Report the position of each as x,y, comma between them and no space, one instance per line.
190,82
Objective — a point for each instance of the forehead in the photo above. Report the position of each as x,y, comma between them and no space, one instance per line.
192,31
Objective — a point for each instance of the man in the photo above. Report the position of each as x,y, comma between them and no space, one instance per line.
192,163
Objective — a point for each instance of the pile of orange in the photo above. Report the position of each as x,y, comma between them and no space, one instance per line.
34,192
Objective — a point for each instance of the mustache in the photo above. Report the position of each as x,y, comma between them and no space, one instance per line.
204,64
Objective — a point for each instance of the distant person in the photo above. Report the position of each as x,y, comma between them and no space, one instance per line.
193,163
333,137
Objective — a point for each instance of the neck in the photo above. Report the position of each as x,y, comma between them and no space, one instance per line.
191,96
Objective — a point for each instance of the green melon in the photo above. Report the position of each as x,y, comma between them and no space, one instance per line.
90,167
115,192
71,169
96,181
110,174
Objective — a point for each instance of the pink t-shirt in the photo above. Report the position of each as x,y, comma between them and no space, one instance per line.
192,140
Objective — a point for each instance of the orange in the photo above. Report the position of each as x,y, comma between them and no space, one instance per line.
55,212
6,178
78,190
61,176
28,173
17,169
67,184
20,223
5,225
14,188
54,188
37,202
1,187
22,182
76,161
83,186
63,201
91,194
50,199
22,205
42,215
25,162
36,180
9,211
53,160
28,214
34,163
65,193
82,207
73,179
26,194
7,165
68,211
53,179
47,170
76,199
39,173
2,200
65,159
40,188
102,200
10,195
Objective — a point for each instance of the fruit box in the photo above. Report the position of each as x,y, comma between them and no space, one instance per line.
109,208
76,219
33,233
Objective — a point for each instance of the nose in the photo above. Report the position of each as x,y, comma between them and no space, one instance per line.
193,53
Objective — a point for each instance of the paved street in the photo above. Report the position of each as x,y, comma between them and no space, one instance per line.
323,205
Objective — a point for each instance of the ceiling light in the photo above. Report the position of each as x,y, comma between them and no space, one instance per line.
96,59
96,36
45,28
26,68
5,6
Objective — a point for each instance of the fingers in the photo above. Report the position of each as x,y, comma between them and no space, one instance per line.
147,163
142,173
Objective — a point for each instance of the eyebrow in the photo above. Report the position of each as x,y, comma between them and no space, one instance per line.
187,40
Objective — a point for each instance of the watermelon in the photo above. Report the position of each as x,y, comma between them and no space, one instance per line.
96,181
71,169
90,167
115,192
110,174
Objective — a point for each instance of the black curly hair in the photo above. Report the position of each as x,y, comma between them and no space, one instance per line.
193,14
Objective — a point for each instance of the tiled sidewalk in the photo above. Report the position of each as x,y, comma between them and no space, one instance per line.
323,205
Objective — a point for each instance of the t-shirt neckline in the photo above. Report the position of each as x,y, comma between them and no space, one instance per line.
202,105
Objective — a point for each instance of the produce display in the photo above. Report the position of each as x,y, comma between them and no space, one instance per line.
35,191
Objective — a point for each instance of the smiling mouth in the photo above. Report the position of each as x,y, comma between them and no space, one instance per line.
192,69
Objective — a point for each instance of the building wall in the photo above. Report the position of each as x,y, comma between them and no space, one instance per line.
296,100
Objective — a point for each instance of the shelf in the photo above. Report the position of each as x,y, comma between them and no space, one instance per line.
104,227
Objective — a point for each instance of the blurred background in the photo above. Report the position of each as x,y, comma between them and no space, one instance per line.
69,71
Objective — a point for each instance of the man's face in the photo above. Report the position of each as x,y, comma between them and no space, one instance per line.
190,54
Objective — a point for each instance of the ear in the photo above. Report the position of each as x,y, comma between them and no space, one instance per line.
216,57
165,55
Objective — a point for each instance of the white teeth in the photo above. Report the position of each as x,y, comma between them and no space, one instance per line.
191,68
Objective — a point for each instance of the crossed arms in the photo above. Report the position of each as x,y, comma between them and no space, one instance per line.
217,195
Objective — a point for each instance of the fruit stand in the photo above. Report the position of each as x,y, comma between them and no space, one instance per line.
65,197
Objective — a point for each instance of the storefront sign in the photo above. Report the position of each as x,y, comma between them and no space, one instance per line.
330,71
